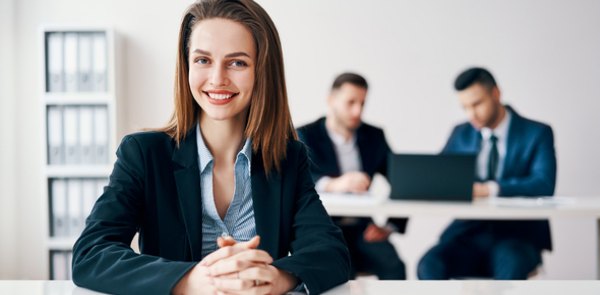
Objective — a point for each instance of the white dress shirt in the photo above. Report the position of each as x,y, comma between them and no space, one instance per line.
347,155
501,133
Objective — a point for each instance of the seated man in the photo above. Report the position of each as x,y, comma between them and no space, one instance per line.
515,158
346,153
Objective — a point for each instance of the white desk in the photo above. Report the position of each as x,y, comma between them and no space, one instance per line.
367,287
363,287
502,208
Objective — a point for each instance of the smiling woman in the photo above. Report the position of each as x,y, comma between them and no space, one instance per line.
223,193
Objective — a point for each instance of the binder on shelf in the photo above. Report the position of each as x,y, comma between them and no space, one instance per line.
100,185
69,258
74,201
85,62
99,62
60,265
58,211
101,134
55,135
89,195
54,55
86,134
70,62
71,134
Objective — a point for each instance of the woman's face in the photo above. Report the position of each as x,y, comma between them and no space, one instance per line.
222,58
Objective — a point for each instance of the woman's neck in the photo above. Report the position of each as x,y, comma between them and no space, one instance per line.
223,138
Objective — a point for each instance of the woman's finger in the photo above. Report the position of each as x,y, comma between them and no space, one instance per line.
220,254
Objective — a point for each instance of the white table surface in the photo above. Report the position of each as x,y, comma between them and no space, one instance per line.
364,287
380,207
493,208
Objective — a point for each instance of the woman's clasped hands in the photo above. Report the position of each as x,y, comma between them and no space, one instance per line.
236,268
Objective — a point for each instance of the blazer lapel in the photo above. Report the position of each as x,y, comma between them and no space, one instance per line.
327,145
366,158
187,179
512,142
266,198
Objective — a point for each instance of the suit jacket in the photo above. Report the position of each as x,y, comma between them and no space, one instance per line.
372,146
155,190
529,170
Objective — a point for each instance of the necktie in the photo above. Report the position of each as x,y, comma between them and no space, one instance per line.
492,166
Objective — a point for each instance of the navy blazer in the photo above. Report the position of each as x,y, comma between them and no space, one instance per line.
372,146
154,189
529,170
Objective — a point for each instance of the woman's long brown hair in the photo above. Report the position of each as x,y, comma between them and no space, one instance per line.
269,122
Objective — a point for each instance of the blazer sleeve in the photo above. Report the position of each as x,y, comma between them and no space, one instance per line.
541,178
319,256
386,150
304,136
450,145
102,257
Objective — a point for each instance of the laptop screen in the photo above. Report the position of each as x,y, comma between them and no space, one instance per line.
440,177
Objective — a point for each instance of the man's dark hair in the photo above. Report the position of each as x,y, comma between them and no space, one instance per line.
352,78
472,76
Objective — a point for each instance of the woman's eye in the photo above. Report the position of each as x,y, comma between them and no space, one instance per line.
202,61
238,63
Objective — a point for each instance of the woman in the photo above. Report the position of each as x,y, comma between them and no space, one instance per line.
227,168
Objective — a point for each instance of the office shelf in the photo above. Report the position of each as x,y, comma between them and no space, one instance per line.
79,106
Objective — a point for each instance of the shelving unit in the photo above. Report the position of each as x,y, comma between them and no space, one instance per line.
79,109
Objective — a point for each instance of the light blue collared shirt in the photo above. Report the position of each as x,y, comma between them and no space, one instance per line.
239,220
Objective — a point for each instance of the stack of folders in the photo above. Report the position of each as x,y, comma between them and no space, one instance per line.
76,61
71,201
77,135
60,264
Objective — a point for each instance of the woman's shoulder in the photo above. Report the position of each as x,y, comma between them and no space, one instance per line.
148,140
295,146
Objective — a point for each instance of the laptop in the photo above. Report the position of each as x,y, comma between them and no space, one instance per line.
431,177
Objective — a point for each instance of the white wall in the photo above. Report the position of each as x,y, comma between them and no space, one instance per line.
7,145
543,53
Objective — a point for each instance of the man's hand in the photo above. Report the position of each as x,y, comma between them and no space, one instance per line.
351,182
374,233
480,190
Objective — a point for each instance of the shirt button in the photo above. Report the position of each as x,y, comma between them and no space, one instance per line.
224,235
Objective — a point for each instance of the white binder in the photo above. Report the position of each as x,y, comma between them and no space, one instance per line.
99,60
69,259
60,265
101,134
86,134
74,203
58,198
71,134
100,185
55,135
89,196
70,61
55,74
85,62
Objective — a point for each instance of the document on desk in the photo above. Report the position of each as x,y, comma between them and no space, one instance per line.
531,202
351,199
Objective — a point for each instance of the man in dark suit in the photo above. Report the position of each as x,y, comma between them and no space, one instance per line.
345,154
515,157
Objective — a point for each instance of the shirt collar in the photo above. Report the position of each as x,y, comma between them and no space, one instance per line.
339,139
205,157
501,131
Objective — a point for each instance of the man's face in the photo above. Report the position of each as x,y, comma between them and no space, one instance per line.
481,104
346,104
